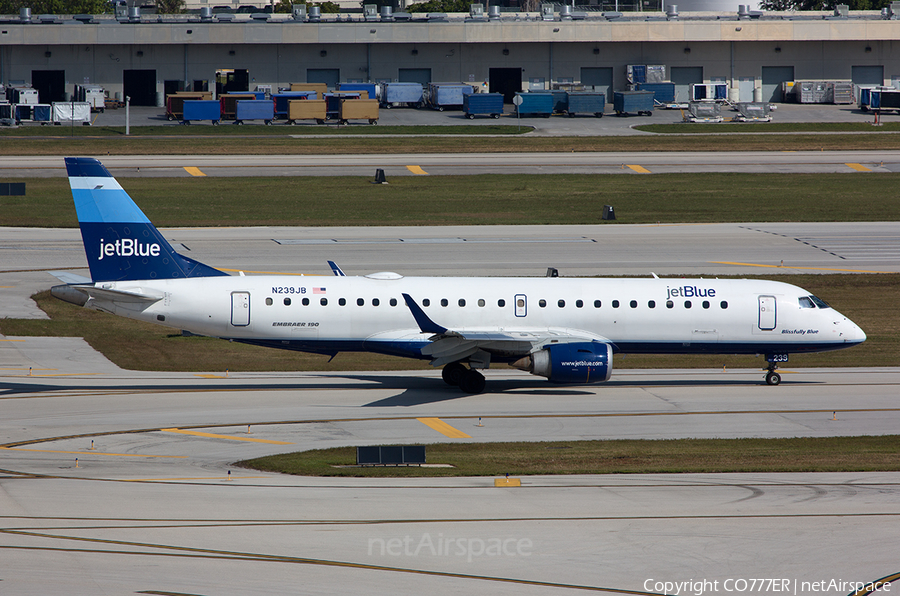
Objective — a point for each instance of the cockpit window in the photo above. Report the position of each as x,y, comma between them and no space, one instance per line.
805,302
819,302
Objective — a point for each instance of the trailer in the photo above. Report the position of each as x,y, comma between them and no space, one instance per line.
282,100
447,95
586,102
539,104
43,113
254,109
370,88
704,111
229,103
95,95
753,112
884,99
333,102
24,112
175,103
813,92
717,92
307,109
399,94
22,95
488,104
195,110
639,102
71,111
560,101
663,93
319,89
358,109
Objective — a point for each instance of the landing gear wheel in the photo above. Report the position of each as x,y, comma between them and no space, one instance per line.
453,373
773,378
472,382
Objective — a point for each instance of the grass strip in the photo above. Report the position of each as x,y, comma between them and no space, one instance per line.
767,127
869,300
484,199
283,144
229,130
831,454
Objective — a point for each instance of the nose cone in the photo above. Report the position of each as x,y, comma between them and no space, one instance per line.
851,332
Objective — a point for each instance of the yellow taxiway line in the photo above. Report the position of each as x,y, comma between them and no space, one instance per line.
417,170
229,437
193,171
858,167
94,453
791,267
443,428
638,169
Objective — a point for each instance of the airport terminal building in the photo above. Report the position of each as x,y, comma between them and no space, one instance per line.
148,56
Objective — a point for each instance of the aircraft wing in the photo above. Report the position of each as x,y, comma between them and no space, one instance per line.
449,345
70,278
89,292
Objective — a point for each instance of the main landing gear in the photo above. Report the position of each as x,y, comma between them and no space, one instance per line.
467,379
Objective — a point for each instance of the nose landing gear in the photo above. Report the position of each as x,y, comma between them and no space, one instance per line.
772,377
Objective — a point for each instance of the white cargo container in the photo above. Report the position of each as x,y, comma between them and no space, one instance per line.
69,111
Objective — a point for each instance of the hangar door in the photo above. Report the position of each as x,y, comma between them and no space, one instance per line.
600,78
867,75
330,76
414,75
772,78
50,85
140,86
507,81
683,77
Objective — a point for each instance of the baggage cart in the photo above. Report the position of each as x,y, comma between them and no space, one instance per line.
254,109
333,102
709,92
447,95
319,89
43,113
71,111
400,94
370,88
586,102
753,112
638,102
175,104
283,99
560,101
229,104
812,92
488,104
884,99
540,104
195,110
92,94
704,111
24,112
663,93
358,109
306,109
843,92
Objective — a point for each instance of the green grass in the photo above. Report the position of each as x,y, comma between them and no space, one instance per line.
838,454
485,199
869,300
767,127
227,129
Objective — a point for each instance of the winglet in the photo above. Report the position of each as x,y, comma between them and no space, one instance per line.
335,269
425,324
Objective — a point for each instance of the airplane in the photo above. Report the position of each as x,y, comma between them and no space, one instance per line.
564,329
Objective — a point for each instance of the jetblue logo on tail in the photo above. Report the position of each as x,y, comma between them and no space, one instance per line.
127,247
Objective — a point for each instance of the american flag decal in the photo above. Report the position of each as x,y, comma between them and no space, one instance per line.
318,290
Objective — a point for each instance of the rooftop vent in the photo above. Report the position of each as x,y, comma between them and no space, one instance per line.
476,11
225,17
743,11
493,12
672,11
47,19
206,14
371,12
565,12
547,12
842,10
134,13
315,14
298,11
387,13
437,17
25,14
260,17
83,18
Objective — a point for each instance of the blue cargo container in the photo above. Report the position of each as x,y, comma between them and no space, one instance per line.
489,104
662,92
709,92
367,87
535,103
884,99
202,109
639,102
445,95
586,102
281,100
410,94
254,109
42,113
560,101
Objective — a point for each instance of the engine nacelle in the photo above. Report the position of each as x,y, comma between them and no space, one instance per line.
588,362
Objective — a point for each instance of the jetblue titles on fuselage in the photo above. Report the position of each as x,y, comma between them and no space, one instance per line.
690,292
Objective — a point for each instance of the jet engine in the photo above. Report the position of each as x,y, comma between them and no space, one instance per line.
588,362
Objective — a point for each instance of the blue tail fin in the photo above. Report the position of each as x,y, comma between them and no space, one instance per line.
120,242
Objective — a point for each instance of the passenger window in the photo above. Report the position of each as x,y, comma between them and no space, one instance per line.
268,302
651,304
596,304
633,304
462,301
481,302
542,303
375,301
723,304
342,302
305,301
615,304
706,304
287,301
501,303
324,301
670,304
561,304
806,302
426,302
444,302
393,302
579,303
360,302
687,303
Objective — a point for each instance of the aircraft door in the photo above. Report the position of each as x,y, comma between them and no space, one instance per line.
521,305
767,313
240,309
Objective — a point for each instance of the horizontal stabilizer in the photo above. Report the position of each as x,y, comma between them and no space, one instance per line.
70,278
